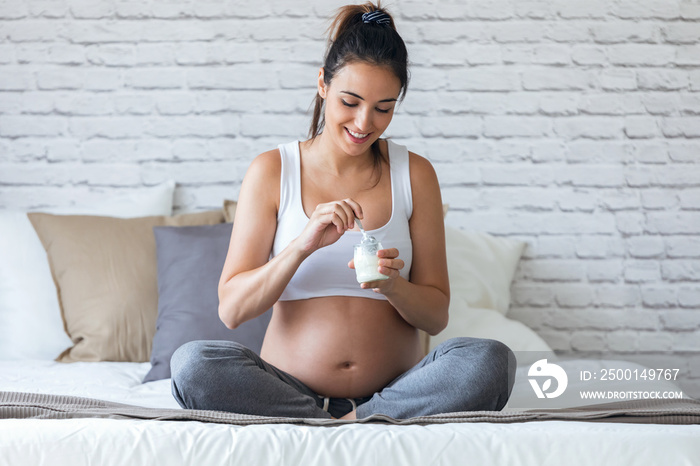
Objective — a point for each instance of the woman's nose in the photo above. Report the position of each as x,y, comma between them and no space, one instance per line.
363,119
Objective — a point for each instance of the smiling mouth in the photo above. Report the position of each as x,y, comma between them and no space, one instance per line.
357,137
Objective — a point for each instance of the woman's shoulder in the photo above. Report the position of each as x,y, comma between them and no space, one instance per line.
268,158
422,171
420,162
266,165
261,182
425,188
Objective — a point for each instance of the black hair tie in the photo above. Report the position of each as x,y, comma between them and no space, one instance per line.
378,17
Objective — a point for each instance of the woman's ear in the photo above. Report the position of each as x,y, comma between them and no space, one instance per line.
321,84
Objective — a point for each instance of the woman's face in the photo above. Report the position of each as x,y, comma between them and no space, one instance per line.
360,103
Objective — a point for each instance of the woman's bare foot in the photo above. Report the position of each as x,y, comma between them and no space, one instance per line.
351,416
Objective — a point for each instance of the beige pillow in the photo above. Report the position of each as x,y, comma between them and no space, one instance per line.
229,210
105,271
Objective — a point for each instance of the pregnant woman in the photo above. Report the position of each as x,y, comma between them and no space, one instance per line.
336,348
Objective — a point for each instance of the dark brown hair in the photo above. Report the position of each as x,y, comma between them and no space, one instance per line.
352,40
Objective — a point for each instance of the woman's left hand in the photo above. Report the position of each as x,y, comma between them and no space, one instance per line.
389,265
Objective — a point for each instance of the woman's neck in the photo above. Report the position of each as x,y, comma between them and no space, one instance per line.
328,157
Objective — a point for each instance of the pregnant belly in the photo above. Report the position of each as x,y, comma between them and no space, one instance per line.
341,346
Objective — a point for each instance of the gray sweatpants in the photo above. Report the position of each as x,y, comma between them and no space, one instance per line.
461,374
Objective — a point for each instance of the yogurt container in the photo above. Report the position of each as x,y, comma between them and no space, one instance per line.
366,260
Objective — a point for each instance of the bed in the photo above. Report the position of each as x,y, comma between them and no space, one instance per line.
93,299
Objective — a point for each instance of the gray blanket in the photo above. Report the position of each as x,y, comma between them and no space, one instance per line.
15,405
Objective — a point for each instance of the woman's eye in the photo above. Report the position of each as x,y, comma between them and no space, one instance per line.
380,110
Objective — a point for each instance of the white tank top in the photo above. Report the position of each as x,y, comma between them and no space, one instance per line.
325,272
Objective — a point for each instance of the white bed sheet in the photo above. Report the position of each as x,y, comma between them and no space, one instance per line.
108,442
112,381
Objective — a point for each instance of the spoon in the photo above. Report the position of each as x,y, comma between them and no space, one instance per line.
359,225
365,237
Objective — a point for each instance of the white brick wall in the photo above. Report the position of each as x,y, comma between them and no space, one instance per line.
571,124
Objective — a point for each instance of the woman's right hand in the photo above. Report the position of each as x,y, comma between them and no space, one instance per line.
328,223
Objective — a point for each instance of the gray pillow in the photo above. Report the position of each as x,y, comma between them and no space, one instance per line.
190,260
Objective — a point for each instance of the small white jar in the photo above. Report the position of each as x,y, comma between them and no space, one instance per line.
367,262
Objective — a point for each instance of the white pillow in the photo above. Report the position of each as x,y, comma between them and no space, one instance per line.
30,317
481,269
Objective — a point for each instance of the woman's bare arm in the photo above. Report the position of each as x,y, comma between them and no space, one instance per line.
249,284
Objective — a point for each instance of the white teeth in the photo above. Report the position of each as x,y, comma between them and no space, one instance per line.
358,135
